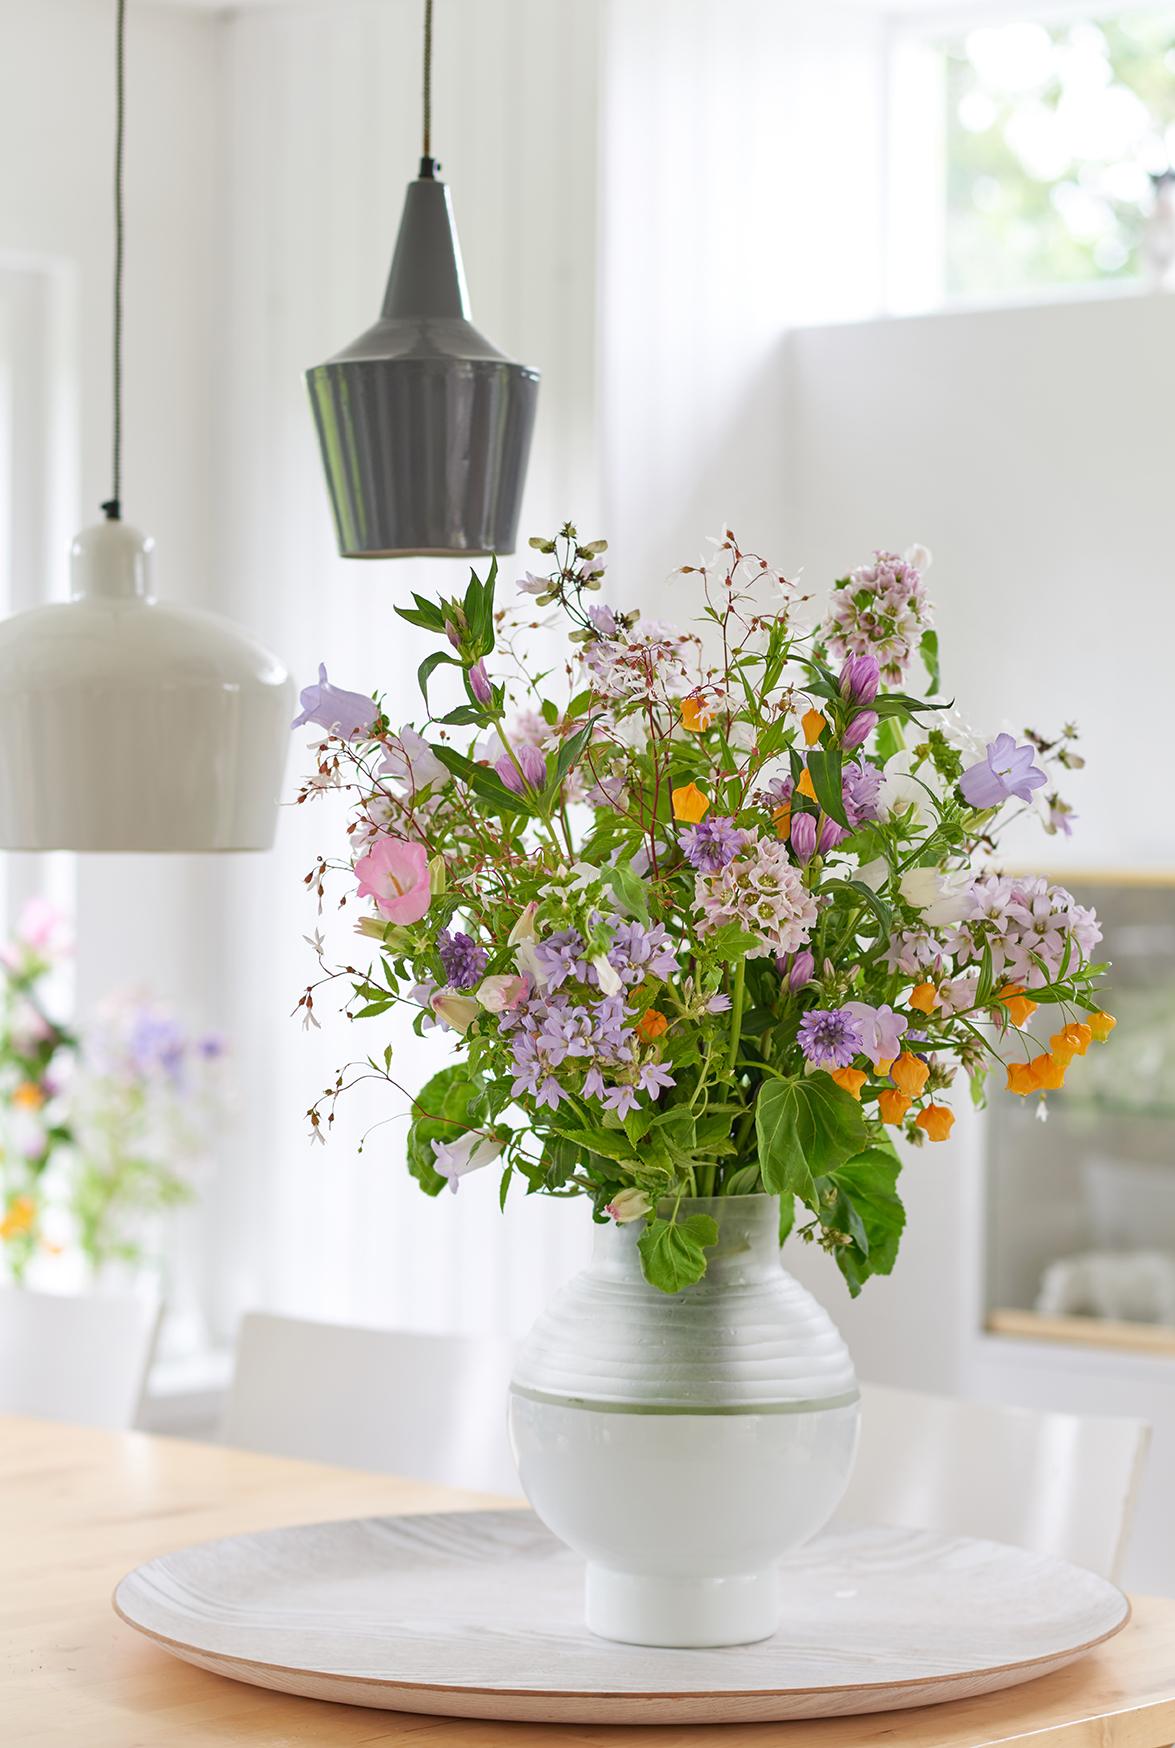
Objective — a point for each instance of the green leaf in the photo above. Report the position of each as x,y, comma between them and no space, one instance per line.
608,1143
426,614
429,666
869,1207
673,1253
729,943
824,766
929,648
805,1128
571,750
482,781
744,1181
451,1103
787,1217
629,889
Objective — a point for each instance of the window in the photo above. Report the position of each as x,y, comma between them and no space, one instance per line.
1049,137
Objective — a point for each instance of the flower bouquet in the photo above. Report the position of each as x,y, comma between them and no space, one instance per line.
713,917
710,919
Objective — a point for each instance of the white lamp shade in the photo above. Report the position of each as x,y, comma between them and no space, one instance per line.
127,724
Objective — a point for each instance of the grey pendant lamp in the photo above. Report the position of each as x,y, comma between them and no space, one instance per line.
127,723
424,426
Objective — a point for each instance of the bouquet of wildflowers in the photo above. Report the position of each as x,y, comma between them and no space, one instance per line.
103,1127
702,913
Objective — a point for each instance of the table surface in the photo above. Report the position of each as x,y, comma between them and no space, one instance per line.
79,1507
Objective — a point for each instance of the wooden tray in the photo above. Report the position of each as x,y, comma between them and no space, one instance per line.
478,1614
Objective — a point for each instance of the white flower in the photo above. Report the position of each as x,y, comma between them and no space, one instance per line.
920,557
452,1159
940,897
409,759
873,874
900,789
607,976
455,1012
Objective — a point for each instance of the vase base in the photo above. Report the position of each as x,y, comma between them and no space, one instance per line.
681,1613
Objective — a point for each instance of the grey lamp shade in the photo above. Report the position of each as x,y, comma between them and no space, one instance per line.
424,426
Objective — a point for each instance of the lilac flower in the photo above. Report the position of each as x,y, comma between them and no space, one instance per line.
831,835
621,1099
860,678
531,765
348,714
859,729
638,952
604,620
479,683
559,957
531,584
593,1085
653,1079
719,1004
880,1028
1026,924
860,792
463,958
712,844
829,1037
1006,770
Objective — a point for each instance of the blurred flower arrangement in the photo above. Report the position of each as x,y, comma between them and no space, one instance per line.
715,914
102,1128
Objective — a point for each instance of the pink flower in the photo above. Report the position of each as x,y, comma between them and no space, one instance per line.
395,874
500,993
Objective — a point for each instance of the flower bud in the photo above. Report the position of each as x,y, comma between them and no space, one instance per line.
803,836
859,729
500,993
859,679
831,835
479,683
455,1011
533,772
802,967
628,1205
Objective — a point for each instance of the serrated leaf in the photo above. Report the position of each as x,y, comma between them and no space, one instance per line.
871,1211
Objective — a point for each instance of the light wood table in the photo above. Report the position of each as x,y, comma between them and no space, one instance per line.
78,1508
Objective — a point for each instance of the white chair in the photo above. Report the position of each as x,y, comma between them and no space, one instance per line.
432,1407
1062,1484
75,1356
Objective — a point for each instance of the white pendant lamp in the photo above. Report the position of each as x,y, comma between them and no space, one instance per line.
125,723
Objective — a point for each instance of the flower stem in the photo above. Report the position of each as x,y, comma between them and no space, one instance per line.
736,1014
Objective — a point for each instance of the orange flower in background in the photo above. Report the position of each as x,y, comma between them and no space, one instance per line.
690,804
851,1079
804,786
910,1074
1101,1025
20,1217
1049,1071
1020,1008
696,715
651,1025
28,1096
1072,1040
1022,1078
813,724
782,818
893,1105
924,997
936,1121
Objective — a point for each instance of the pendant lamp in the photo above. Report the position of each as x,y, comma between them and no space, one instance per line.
424,426
125,723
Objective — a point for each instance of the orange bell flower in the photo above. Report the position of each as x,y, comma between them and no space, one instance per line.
910,1074
1049,1071
782,818
1072,1040
924,997
1020,1007
28,1096
20,1217
651,1024
690,804
1022,1078
1101,1025
696,715
851,1079
813,724
893,1106
804,786
936,1121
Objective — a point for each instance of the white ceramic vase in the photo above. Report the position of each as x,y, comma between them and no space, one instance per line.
682,1443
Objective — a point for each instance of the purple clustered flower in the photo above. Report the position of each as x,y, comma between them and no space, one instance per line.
1027,924
549,1031
708,847
861,792
463,958
829,1037
638,952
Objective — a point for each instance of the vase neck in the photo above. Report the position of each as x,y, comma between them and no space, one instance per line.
747,1247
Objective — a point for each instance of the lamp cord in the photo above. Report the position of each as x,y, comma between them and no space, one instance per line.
113,505
428,165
